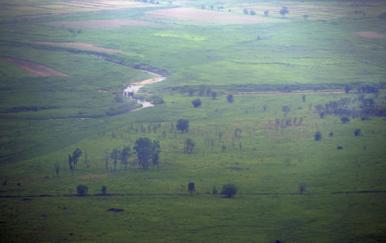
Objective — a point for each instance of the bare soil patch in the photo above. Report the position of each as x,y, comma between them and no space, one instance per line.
203,16
104,24
371,35
80,46
34,69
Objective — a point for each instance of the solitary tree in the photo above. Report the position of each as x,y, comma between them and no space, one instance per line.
230,98
57,169
82,190
284,11
318,136
196,103
285,109
104,190
344,119
182,125
357,132
214,95
237,133
189,146
191,187
229,190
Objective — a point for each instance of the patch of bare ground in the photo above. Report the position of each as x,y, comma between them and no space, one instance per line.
92,176
80,46
203,16
370,35
304,92
104,24
34,69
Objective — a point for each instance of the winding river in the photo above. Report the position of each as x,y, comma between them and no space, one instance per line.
133,89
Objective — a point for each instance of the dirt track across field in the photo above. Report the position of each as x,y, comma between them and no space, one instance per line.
79,45
200,16
104,24
34,69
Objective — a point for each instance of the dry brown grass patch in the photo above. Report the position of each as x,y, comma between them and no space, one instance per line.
79,46
203,16
371,35
106,23
34,69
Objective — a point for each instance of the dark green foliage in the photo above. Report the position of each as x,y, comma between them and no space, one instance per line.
318,136
345,120
182,125
191,187
115,155
74,158
103,190
81,190
230,98
196,103
229,190
302,188
357,132
125,155
147,152
284,11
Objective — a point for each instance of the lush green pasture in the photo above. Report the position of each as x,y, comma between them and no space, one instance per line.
42,120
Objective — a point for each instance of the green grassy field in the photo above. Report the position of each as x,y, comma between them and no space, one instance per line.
304,64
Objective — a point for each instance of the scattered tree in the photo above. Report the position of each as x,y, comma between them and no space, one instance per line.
147,152
237,133
189,146
57,169
191,187
115,156
124,156
229,190
214,95
82,190
285,109
302,188
182,125
344,119
196,103
318,136
284,11
74,158
357,132
104,190
230,98
214,190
